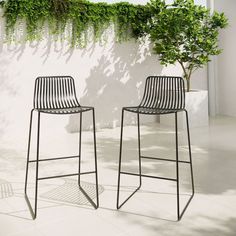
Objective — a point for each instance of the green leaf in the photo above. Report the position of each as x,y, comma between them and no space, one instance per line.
185,33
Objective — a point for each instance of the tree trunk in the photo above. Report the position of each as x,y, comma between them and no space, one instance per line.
187,79
188,84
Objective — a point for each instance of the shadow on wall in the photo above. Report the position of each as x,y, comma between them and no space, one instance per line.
108,77
7,90
117,81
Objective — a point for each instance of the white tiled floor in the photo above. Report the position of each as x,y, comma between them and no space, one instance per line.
63,210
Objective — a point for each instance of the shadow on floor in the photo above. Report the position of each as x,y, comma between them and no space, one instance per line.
6,189
69,192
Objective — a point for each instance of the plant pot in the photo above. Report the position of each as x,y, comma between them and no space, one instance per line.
196,103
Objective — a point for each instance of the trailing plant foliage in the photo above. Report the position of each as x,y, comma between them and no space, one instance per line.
81,16
185,33
181,31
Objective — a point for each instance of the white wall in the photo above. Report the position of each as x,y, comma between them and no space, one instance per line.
108,77
226,62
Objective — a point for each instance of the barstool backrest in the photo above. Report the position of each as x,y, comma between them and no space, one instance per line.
164,92
55,92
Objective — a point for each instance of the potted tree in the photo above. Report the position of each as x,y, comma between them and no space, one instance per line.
184,33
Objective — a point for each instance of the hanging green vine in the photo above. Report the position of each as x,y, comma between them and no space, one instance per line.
81,16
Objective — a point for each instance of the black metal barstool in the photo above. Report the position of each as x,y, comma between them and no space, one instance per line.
56,95
162,95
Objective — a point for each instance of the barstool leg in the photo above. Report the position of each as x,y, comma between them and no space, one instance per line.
95,160
37,166
190,153
177,162
139,152
180,214
119,168
95,156
33,212
80,137
118,206
28,152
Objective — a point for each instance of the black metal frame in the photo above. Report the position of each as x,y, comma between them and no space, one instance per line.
155,89
63,91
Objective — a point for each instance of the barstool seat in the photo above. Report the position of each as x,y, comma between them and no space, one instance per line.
65,110
150,110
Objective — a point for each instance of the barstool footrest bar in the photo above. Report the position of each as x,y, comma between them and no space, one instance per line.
163,159
148,176
61,176
54,159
